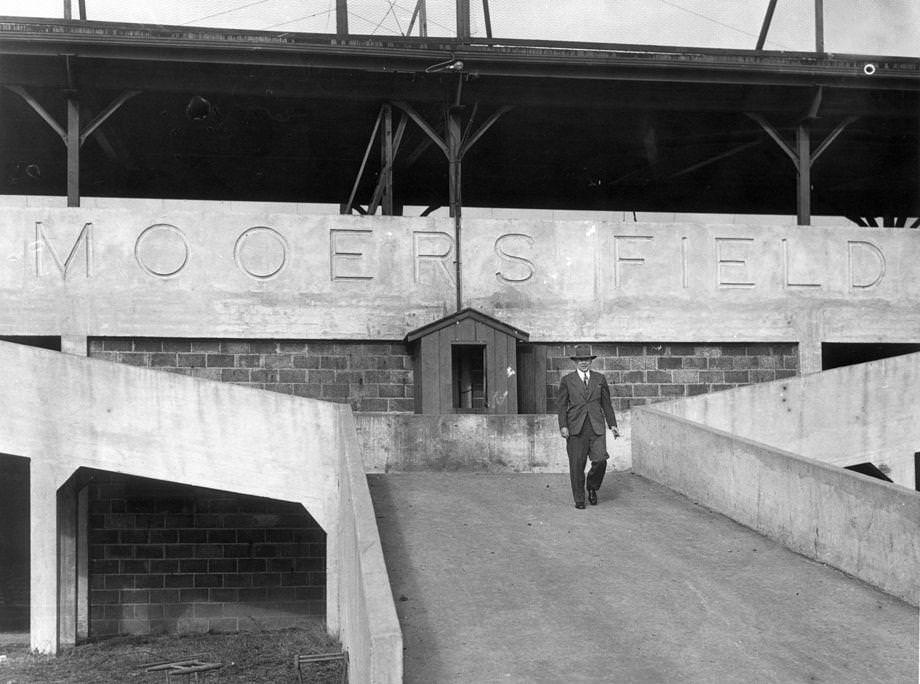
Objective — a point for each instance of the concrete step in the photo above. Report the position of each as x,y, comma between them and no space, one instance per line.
500,578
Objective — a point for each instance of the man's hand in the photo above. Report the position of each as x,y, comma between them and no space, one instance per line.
564,432
616,432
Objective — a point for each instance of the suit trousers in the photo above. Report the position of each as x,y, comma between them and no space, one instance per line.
579,447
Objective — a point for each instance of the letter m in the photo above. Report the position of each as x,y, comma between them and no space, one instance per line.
43,249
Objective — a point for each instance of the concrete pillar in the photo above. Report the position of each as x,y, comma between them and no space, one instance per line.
75,344
82,616
809,356
43,584
67,565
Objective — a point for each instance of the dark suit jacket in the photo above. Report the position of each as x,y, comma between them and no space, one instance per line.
575,404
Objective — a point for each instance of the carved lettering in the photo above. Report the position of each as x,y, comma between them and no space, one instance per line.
620,258
523,268
787,282
345,257
161,250
432,248
42,245
260,252
724,262
868,248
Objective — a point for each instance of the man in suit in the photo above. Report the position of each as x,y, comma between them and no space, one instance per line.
583,406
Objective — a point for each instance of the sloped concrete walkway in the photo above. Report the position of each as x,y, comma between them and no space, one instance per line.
498,578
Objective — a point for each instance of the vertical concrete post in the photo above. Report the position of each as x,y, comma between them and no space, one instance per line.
75,344
67,565
43,583
82,564
809,355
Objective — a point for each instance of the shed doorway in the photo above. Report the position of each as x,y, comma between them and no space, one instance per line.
468,377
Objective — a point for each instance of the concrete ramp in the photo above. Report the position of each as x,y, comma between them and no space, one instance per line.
498,578
63,413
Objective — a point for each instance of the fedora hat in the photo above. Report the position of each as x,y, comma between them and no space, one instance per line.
582,351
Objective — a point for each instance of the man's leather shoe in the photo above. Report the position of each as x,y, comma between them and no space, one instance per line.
592,497
579,505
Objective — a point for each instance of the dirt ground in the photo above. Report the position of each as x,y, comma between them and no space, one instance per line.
250,658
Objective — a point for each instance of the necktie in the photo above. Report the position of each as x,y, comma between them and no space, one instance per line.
584,379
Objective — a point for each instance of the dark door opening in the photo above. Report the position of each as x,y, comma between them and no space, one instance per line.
14,544
468,377
835,355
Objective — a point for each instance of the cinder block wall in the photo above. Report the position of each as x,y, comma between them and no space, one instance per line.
378,376
173,558
370,376
641,374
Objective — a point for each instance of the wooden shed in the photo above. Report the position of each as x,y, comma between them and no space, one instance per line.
466,363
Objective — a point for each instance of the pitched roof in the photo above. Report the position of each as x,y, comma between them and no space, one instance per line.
463,315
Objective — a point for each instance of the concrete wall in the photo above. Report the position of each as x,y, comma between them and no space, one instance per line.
369,625
866,412
148,269
63,412
496,443
861,525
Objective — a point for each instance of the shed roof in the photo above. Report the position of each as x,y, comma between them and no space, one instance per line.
463,315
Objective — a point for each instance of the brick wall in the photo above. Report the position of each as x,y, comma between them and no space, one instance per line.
645,373
172,558
371,376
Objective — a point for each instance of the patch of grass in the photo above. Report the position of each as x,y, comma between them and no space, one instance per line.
246,658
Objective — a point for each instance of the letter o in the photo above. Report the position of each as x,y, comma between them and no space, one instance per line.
162,260
246,237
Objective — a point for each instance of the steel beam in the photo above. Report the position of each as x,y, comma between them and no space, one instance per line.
420,13
768,18
487,124
387,153
819,26
112,107
73,152
346,209
341,18
41,111
803,194
463,20
454,155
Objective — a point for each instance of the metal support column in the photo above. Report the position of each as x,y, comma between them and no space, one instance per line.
420,13
765,27
457,144
73,152
819,26
803,153
487,17
386,157
463,20
454,141
341,17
